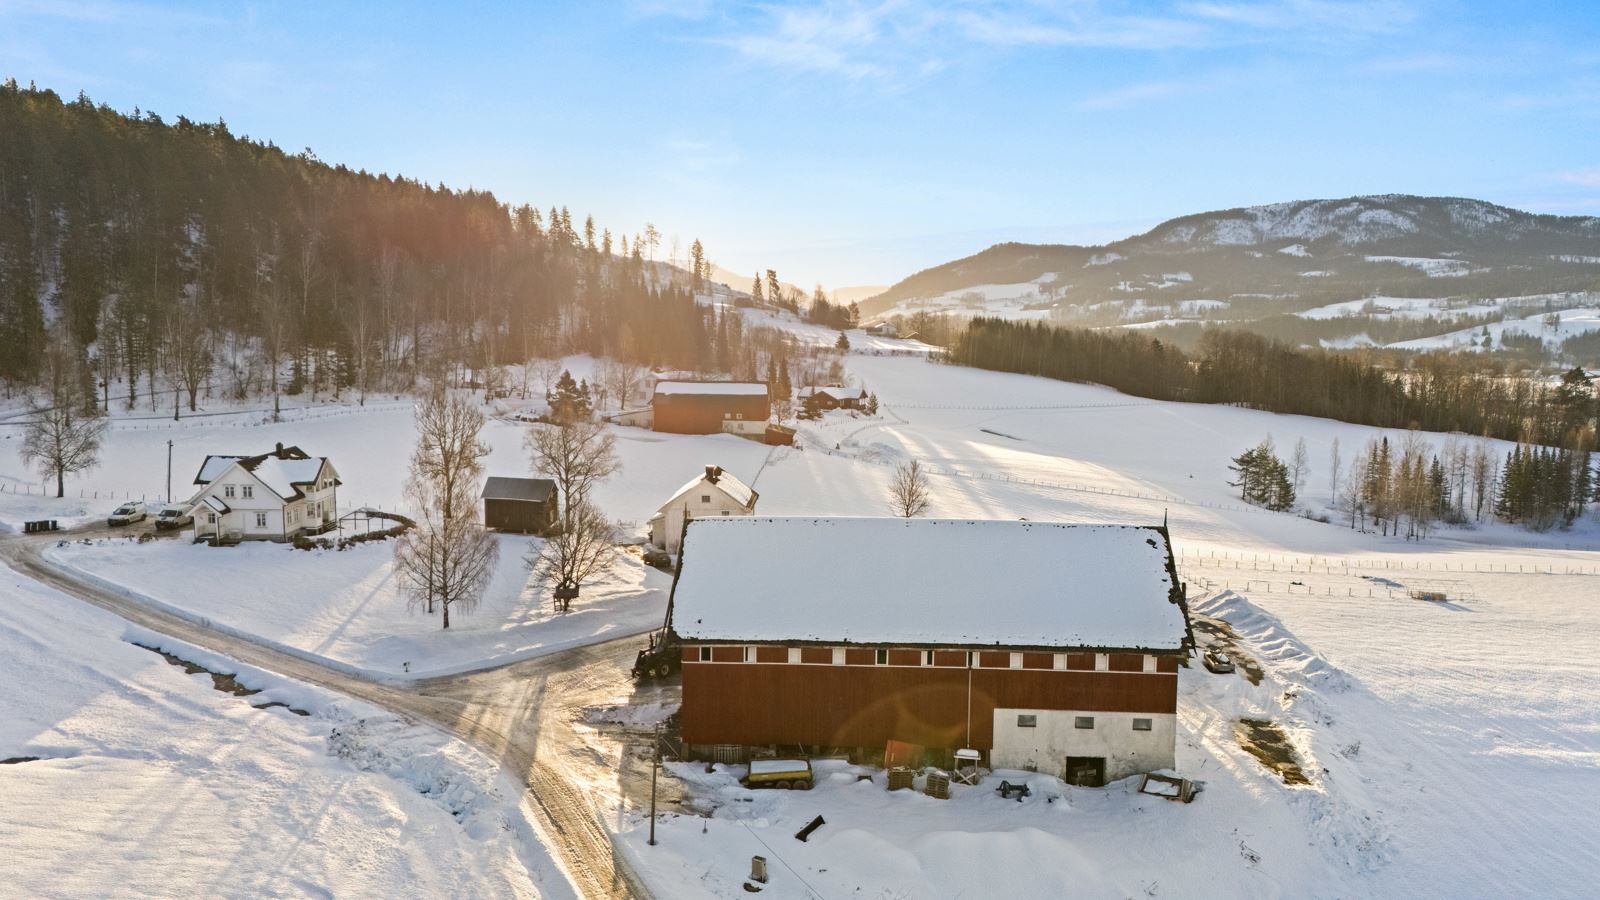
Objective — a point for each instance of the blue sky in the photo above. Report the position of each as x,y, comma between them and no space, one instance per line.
856,142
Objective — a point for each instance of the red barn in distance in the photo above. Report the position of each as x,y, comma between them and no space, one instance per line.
711,407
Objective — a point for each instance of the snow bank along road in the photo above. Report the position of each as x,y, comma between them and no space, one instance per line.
521,714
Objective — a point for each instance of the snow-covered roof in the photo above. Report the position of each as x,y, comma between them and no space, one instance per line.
839,393
213,467
281,475
280,470
741,493
715,388
927,582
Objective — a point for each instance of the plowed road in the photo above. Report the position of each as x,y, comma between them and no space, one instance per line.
522,713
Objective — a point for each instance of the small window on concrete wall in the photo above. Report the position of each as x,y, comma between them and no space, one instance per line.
1027,721
1141,724
1083,721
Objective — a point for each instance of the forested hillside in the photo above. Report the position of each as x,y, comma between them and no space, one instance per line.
178,252
1437,393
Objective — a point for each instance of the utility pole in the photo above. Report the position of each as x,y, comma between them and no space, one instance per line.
655,766
169,470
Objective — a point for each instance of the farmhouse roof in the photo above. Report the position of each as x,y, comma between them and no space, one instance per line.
282,470
741,493
837,393
536,490
939,582
713,388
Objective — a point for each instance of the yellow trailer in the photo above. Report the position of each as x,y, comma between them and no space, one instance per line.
783,774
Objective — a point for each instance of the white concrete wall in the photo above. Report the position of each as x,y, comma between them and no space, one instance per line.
1047,746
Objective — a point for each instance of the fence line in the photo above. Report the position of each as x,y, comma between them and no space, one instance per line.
1315,565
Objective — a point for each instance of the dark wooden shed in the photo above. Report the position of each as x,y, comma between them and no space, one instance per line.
523,505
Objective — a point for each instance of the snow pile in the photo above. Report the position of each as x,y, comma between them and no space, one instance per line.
150,782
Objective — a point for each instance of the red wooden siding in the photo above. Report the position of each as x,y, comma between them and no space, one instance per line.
994,659
848,706
705,413
772,654
1038,660
905,657
859,656
728,654
950,658
1083,661
1167,664
1127,662
818,656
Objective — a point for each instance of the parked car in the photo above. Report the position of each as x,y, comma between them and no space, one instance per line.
1218,662
127,514
783,774
173,516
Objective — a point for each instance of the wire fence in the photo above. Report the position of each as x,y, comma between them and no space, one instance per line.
1341,566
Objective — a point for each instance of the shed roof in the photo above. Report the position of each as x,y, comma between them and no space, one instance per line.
949,582
713,388
536,490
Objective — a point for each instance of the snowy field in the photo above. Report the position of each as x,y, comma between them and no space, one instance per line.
149,782
346,607
1573,322
1449,748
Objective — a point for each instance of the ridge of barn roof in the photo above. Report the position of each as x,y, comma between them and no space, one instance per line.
929,582
713,388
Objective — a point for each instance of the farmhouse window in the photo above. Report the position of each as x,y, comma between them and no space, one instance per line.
261,520
227,491
1027,721
249,491
1142,724
705,498
1083,721
211,518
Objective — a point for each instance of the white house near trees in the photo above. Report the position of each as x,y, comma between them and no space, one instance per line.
713,493
268,497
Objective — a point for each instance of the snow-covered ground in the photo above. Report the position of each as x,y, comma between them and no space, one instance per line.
1433,267
150,782
1573,322
346,607
1005,301
1403,308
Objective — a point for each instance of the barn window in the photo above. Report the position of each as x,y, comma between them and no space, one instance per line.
883,657
705,654
1083,721
1027,721
1142,724
927,657
249,491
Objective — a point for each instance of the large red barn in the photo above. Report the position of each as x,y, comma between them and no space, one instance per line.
1044,645
711,407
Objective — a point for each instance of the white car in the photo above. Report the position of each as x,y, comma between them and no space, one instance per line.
173,516
127,514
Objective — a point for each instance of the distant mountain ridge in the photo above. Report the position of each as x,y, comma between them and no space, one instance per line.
1297,254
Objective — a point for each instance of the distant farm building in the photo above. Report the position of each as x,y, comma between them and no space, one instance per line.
711,407
881,329
1047,646
713,493
267,497
822,399
523,505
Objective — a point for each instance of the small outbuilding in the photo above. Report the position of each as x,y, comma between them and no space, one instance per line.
521,505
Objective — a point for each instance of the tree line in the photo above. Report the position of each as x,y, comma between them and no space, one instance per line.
1436,392
179,258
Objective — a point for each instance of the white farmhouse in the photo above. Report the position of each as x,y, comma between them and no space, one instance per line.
714,493
269,497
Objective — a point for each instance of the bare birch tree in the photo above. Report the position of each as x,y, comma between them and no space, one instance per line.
582,549
445,563
623,381
576,456
64,428
446,465
908,490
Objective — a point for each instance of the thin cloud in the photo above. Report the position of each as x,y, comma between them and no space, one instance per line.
1589,177
1359,17
1417,63
1134,95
